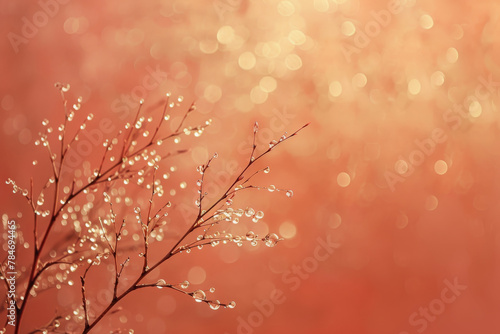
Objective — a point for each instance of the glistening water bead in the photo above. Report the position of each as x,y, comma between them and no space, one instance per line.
199,295
160,283
250,235
271,239
214,305
249,212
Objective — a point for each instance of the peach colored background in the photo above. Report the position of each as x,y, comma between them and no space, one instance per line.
396,247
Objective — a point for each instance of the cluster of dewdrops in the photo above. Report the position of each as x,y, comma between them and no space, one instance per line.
78,215
24,192
214,239
93,235
233,215
198,295
150,156
222,237
59,276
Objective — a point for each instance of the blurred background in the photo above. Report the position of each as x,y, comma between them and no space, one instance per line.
393,226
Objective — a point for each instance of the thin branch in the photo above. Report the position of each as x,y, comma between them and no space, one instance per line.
84,298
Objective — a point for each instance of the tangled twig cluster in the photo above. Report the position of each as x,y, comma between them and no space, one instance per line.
89,211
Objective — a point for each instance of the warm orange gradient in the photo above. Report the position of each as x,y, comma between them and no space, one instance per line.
393,226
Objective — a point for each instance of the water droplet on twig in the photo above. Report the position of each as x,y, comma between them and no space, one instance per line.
199,295
160,283
249,212
250,235
214,305
271,239
272,143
